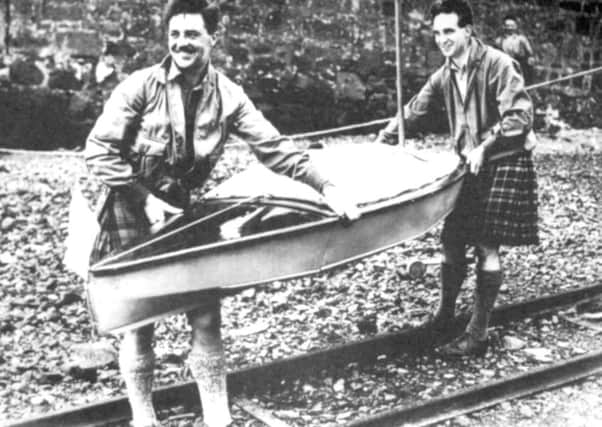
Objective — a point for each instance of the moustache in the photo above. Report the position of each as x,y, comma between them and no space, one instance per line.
185,49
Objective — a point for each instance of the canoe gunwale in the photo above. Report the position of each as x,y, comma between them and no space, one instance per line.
112,266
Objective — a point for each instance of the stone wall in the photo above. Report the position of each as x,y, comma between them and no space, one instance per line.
316,64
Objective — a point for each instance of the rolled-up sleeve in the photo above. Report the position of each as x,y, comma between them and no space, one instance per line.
107,142
275,151
415,112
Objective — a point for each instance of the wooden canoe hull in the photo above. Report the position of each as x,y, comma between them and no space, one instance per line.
124,296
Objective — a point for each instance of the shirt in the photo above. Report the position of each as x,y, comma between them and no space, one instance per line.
460,72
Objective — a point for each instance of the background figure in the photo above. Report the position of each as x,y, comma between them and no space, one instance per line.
489,115
518,47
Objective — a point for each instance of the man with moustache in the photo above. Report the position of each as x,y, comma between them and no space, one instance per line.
489,115
160,134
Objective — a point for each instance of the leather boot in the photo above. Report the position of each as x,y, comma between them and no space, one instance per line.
465,345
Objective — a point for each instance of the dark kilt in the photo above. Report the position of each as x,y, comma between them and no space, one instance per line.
122,222
498,206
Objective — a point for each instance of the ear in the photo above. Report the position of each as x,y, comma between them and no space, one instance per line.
468,30
214,39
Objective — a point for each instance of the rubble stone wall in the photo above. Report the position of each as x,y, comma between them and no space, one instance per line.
317,64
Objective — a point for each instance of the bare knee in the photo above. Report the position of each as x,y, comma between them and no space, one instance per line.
138,341
205,324
489,257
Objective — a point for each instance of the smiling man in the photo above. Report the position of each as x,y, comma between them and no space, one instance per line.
489,115
159,136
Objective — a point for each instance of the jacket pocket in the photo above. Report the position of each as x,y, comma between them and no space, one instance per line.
150,156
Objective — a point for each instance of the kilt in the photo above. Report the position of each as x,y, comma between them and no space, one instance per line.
122,223
497,207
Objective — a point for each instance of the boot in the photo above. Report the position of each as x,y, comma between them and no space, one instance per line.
474,341
465,345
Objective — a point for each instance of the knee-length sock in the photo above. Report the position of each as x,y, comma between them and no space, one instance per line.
137,372
208,369
452,277
486,291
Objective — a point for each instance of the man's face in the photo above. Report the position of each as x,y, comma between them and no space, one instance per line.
510,26
451,39
189,42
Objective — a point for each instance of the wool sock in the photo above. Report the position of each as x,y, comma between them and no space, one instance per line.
452,277
137,372
488,286
209,371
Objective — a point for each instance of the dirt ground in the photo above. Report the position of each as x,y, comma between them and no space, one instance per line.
32,374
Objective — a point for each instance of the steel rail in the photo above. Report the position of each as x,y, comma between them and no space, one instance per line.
469,400
257,378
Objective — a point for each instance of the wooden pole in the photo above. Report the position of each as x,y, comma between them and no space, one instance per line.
7,26
398,44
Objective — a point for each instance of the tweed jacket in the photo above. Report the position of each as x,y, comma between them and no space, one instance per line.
496,103
139,144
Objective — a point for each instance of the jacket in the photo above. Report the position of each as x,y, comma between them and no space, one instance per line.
496,103
138,143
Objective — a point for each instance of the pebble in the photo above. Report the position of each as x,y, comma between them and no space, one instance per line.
513,343
487,372
7,259
526,411
7,224
463,421
339,386
38,400
20,386
344,416
308,388
248,293
578,350
539,354
92,355
287,413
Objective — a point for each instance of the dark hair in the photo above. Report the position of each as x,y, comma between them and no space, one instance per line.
459,7
207,9
510,17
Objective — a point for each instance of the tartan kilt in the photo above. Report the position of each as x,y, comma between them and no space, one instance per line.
122,223
498,206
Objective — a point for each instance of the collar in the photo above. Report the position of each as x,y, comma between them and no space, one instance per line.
473,56
461,64
167,72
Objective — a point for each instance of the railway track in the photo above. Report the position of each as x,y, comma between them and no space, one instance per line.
436,410
257,378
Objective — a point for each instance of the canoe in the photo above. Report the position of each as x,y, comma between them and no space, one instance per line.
257,227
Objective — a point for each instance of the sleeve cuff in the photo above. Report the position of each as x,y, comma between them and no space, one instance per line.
315,179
